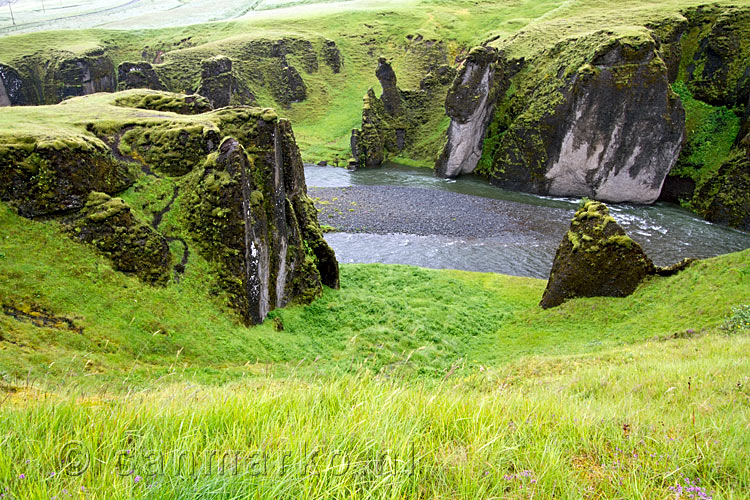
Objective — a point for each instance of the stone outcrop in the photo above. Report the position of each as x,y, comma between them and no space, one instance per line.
133,247
332,56
12,91
580,133
252,217
717,71
595,259
391,123
139,75
221,86
469,104
235,176
725,197
44,178
164,101
82,75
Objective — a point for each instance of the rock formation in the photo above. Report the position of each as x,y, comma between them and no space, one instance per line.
140,75
220,85
242,200
579,134
252,216
332,56
11,87
391,123
109,224
469,104
83,75
43,178
597,259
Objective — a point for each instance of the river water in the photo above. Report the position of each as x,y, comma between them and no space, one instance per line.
667,232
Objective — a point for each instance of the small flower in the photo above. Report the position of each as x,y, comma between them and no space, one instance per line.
137,479
22,476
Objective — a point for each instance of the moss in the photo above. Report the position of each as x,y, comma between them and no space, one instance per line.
165,101
621,240
111,227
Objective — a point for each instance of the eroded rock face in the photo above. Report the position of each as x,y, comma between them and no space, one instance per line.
133,247
595,259
221,86
611,130
391,123
725,198
718,72
469,104
253,218
332,56
49,178
11,87
87,74
242,202
140,75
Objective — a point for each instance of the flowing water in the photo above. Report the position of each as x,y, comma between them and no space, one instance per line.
667,232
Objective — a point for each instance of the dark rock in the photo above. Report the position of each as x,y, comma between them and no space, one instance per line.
12,89
718,73
87,74
390,124
611,130
745,126
595,259
50,178
677,189
134,247
220,86
140,75
469,104
725,198
391,97
332,56
322,163
252,217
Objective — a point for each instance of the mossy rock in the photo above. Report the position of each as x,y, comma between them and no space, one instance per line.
165,101
725,198
44,178
138,75
110,226
595,259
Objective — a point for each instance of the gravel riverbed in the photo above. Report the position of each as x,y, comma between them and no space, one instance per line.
409,210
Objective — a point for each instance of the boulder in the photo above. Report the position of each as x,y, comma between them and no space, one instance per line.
220,85
595,259
133,247
607,126
469,104
165,102
139,75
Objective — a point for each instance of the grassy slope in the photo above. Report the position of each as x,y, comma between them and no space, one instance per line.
598,398
408,320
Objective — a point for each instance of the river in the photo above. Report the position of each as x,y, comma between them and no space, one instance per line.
518,234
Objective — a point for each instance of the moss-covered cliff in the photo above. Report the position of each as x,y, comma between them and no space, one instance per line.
228,184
